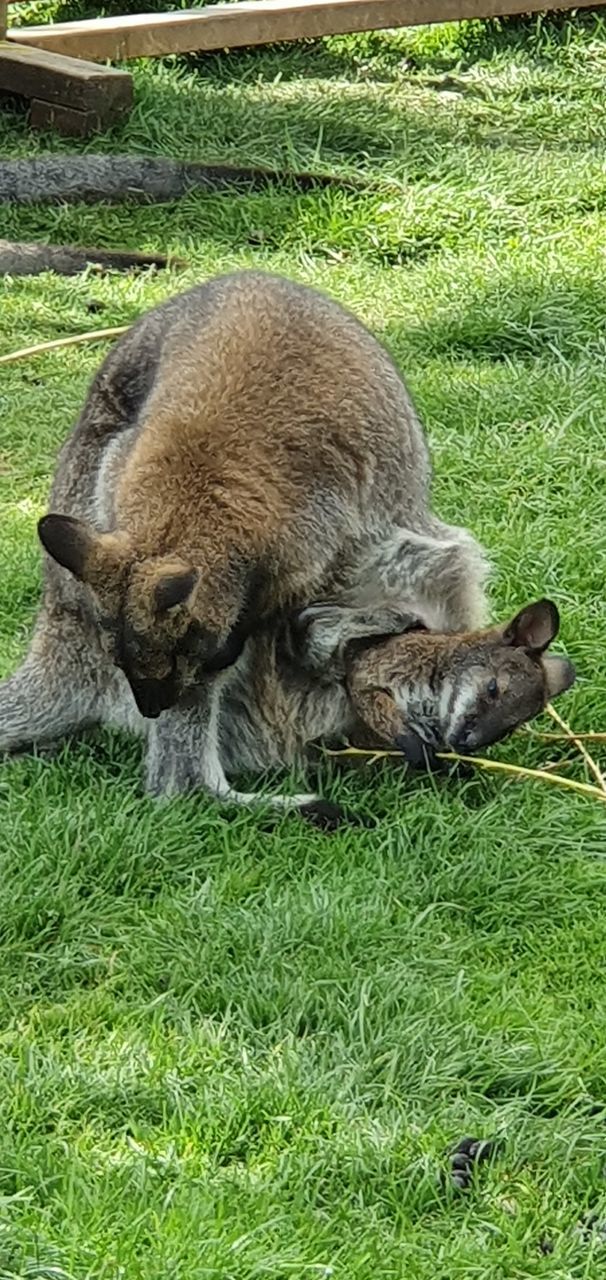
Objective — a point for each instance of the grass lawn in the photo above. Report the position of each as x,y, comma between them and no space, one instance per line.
227,1051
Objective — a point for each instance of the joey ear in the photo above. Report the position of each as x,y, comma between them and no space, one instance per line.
69,542
174,588
94,558
535,627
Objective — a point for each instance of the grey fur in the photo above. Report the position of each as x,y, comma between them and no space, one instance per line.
385,550
288,692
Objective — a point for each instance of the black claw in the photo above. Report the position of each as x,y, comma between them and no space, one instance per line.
475,1149
466,1147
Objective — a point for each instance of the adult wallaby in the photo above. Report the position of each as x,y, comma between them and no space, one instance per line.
246,447
413,690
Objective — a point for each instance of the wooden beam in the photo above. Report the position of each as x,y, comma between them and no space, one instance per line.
68,94
37,73
60,118
251,22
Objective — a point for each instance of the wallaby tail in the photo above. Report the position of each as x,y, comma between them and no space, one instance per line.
91,179
22,259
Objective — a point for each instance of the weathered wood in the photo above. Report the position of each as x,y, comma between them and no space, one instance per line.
70,83
68,121
251,22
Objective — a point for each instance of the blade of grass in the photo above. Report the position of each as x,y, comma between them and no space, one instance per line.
94,335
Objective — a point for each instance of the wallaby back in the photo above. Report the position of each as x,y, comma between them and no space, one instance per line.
262,459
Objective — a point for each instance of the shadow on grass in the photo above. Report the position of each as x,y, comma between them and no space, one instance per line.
536,320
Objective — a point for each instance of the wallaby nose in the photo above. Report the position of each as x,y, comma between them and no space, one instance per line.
461,742
151,698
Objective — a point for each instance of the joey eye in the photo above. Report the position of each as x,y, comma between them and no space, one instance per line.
492,688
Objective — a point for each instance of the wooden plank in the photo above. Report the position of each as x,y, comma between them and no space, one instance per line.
84,87
251,22
68,121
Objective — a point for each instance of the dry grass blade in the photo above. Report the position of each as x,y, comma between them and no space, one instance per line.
95,335
520,771
592,765
489,766
565,737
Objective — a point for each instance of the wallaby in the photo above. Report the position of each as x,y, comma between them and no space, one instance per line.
245,448
413,691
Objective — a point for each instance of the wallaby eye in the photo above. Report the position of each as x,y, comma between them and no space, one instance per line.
492,688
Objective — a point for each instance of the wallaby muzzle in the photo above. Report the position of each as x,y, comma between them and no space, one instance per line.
153,696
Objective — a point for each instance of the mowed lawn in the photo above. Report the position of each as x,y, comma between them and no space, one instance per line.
231,1050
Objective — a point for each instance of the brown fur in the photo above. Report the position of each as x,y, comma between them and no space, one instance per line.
414,691
245,448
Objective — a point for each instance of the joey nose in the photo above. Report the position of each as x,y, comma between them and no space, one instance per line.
560,674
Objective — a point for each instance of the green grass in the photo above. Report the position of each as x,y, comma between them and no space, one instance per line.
228,1051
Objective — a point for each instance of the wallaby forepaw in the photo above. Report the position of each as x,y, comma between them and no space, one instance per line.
417,754
330,817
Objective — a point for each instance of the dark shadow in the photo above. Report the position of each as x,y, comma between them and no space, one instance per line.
562,319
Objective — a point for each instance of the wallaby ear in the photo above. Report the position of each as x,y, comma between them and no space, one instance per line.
92,557
70,542
535,627
174,589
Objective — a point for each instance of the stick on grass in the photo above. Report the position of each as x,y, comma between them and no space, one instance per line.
592,765
94,335
565,737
